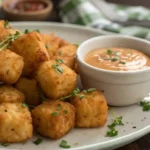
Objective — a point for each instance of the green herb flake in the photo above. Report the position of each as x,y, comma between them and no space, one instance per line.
38,141
81,96
75,92
116,53
24,105
65,111
59,61
26,31
145,105
64,144
76,45
59,107
114,59
54,114
60,53
58,68
109,52
5,144
6,24
112,133
37,30
84,91
91,90
107,58
76,143
122,62
46,46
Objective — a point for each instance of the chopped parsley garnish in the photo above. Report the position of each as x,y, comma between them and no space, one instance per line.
65,111
84,91
59,61
58,68
76,45
5,144
112,131
64,144
46,46
6,24
60,53
114,59
5,43
81,96
116,53
145,105
26,31
76,91
122,62
54,114
24,105
38,141
59,107
107,58
91,90
109,52
37,30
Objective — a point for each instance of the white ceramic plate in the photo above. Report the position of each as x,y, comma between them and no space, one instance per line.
88,139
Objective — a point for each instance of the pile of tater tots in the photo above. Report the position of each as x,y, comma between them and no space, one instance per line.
38,77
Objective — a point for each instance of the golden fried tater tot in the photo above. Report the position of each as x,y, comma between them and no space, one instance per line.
10,94
53,119
51,43
31,47
11,65
91,109
30,89
67,53
56,81
15,123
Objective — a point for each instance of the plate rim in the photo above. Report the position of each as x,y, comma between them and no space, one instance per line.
117,142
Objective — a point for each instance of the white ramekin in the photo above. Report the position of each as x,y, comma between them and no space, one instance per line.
120,88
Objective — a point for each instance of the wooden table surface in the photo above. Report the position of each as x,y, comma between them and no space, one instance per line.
141,144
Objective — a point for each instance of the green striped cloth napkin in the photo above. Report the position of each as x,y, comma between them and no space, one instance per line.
128,20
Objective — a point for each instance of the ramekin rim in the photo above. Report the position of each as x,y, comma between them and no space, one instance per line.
105,70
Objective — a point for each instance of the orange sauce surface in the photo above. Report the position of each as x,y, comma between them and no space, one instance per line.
118,59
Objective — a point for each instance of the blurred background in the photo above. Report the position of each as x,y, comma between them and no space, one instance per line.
115,16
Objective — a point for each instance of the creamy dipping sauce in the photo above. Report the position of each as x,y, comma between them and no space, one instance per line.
118,59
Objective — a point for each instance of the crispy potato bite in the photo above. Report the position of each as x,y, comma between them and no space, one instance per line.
30,89
67,53
5,29
51,43
10,94
15,123
54,119
11,65
91,109
56,81
33,50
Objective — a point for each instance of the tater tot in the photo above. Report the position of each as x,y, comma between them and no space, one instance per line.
56,84
30,89
5,29
51,43
67,53
15,123
91,109
10,94
11,65
54,118
31,47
